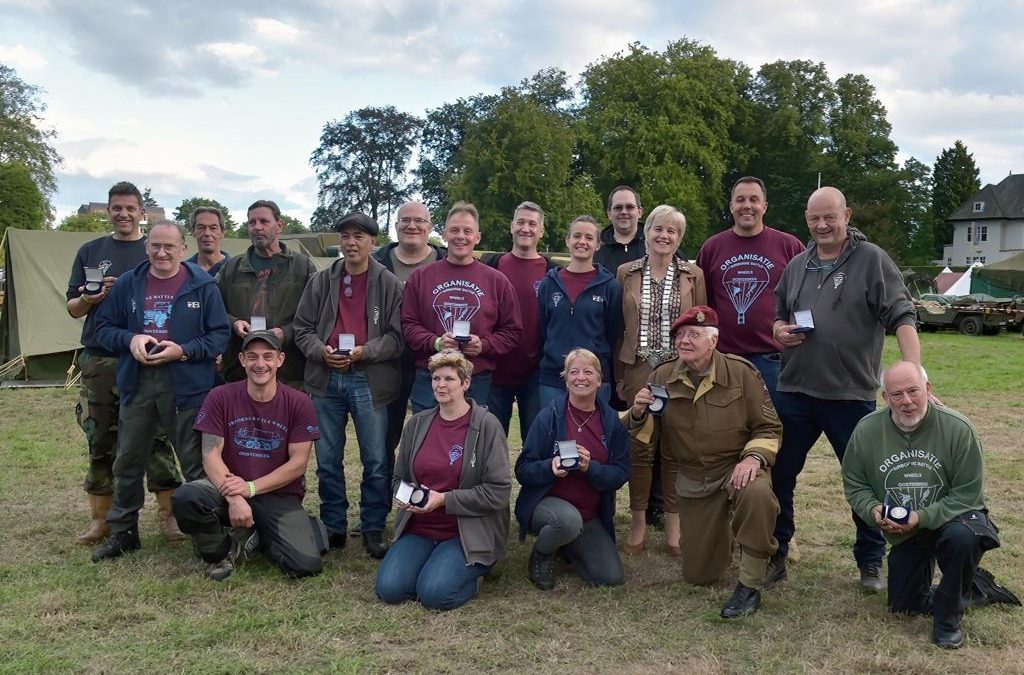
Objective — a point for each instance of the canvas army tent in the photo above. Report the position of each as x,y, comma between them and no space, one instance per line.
38,339
1004,279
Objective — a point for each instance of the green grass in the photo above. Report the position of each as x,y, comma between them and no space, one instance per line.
153,611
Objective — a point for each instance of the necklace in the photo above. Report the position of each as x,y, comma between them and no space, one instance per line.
655,355
579,425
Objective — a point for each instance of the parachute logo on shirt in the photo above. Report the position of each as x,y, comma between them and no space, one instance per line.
453,303
455,454
838,279
745,277
556,298
257,440
104,266
914,483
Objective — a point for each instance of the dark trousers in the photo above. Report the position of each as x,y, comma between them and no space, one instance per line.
525,395
590,549
912,566
397,411
151,409
291,538
804,418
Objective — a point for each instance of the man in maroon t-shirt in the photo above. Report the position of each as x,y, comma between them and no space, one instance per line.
742,266
441,298
515,374
257,438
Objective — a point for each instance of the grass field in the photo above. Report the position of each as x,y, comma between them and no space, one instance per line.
154,611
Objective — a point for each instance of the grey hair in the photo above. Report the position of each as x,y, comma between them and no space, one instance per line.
206,209
665,212
531,206
170,223
920,369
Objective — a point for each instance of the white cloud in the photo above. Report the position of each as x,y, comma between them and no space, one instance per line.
277,30
22,58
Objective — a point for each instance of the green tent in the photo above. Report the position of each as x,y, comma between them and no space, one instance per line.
38,340
1004,279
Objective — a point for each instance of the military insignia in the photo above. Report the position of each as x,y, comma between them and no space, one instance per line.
556,298
700,317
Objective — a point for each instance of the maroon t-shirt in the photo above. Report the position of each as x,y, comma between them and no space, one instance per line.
438,466
741,274
525,276
256,435
439,294
575,282
574,488
159,299
351,309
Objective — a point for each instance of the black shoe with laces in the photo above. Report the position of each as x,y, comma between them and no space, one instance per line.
116,545
542,570
871,578
744,602
375,545
776,571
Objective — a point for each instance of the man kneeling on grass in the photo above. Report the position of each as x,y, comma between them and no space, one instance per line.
257,437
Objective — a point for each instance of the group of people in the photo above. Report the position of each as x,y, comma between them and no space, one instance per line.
703,386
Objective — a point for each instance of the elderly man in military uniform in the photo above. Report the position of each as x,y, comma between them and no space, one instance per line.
718,423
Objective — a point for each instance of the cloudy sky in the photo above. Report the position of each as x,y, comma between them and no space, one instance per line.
227,99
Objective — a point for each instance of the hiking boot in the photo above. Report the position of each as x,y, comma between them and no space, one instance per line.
776,571
97,530
744,602
948,639
871,578
116,545
541,570
165,517
245,541
375,545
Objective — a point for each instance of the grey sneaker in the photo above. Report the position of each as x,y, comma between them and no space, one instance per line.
871,578
244,544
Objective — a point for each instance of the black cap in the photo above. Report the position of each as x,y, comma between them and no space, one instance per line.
268,336
359,220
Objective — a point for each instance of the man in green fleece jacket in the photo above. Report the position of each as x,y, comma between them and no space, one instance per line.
927,459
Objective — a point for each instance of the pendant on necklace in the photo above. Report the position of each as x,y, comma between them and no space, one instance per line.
579,429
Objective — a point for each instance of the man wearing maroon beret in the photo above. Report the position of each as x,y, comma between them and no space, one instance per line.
720,427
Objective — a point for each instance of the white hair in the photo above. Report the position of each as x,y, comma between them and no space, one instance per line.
920,369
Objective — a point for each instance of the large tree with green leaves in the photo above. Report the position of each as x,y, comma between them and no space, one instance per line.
85,222
361,164
183,213
660,121
22,203
23,139
955,180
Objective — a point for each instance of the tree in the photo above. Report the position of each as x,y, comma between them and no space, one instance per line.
361,164
955,180
183,213
147,198
85,222
292,225
22,139
22,203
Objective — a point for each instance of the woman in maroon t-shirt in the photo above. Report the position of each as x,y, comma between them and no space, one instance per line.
458,451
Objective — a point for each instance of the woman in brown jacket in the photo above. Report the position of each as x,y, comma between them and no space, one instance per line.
648,312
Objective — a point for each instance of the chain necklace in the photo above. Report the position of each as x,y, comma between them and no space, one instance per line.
579,425
652,355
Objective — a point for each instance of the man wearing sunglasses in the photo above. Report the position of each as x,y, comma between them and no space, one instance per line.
261,289
348,326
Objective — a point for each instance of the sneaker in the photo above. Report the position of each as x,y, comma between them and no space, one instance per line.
375,545
744,602
541,570
871,578
245,541
219,571
116,545
776,571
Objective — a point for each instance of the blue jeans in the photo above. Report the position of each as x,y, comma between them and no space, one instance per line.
349,394
548,394
526,396
422,396
434,572
769,366
804,418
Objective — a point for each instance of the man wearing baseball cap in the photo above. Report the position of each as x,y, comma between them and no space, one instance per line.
348,326
257,438
719,426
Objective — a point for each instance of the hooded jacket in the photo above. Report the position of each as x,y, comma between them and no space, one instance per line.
533,466
197,323
383,254
853,304
593,322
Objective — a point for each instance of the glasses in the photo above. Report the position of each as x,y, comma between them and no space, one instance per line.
163,247
624,207
409,221
347,280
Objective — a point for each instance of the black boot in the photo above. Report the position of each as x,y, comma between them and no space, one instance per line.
542,570
744,602
375,545
776,571
117,544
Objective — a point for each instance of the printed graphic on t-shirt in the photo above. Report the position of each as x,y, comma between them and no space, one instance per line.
912,478
455,454
745,277
257,436
156,315
456,300
104,266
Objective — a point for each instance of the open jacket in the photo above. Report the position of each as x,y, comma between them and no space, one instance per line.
318,311
481,501
197,323
533,467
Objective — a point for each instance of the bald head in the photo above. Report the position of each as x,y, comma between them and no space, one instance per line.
828,196
413,227
827,218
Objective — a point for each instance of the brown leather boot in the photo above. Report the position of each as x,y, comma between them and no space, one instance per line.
97,530
168,524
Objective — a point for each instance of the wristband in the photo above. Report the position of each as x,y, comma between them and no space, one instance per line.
437,345
252,489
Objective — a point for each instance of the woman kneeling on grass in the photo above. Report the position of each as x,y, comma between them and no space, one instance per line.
459,451
571,510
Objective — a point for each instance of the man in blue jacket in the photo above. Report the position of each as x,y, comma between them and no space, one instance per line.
165,321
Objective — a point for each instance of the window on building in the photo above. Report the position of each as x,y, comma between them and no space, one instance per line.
967,261
983,234
970,228
979,207
949,260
